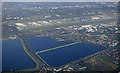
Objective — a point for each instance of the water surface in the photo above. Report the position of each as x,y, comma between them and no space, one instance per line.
42,43
62,55
14,57
68,54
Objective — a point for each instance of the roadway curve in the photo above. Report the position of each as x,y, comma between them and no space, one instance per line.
40,63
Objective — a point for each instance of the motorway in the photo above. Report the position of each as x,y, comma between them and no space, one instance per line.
40,63
56,48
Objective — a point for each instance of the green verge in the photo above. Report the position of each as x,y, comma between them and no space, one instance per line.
37,65
108,61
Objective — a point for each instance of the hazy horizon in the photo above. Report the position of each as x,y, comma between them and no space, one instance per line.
60,0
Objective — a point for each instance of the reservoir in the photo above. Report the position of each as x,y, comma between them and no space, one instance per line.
14,57
42,43
63,55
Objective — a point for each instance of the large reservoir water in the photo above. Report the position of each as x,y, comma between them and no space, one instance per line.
62,55
68,54
42,43
14,57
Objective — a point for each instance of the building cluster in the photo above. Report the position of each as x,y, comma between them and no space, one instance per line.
69,68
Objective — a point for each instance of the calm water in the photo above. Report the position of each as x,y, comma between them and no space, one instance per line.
14,57
62,55
42,43
68,54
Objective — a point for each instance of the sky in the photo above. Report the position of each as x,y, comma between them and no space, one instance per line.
60,0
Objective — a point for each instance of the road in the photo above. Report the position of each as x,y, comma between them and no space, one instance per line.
40,63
